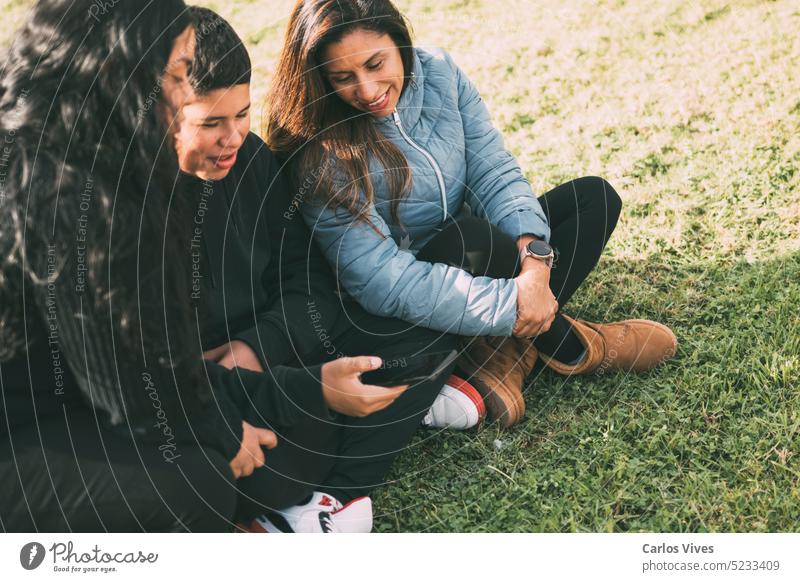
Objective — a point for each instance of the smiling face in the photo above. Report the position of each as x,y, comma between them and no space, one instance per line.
365,70
213,128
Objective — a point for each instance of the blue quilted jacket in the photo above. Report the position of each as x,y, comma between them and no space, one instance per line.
459,166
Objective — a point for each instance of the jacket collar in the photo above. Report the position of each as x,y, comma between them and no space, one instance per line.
409,106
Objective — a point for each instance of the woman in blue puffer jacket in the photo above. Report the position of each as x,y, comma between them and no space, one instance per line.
427,217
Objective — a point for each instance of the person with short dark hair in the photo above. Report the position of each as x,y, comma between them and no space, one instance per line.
271,301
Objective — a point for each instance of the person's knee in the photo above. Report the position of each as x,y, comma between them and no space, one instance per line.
602,196
612,201
421,396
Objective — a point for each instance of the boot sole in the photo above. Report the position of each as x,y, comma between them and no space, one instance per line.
507,408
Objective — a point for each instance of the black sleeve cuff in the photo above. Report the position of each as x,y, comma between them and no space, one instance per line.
270,341
279,396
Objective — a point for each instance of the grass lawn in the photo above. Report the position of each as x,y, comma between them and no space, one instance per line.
692,111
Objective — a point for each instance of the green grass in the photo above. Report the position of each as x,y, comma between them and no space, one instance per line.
692,111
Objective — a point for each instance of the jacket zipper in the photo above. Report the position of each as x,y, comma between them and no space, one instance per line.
429,157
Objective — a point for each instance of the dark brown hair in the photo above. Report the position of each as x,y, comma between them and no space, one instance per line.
308,123
220,59
80,93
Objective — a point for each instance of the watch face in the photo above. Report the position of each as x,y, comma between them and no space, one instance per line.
540,248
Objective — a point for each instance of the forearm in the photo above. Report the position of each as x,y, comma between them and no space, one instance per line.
279,396
270,339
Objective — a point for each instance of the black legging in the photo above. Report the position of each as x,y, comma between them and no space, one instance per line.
582,215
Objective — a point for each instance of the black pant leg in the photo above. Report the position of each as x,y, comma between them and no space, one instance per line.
476,246
65,474
303,459
582,215
369,445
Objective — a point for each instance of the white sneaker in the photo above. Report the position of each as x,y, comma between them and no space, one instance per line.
458,406
355,516
323,513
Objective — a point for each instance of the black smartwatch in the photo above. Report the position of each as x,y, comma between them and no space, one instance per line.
541,251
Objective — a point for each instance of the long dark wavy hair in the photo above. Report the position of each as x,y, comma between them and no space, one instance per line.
89,158
307,120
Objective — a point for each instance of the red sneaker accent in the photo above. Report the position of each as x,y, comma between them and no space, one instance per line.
326,501
349,503
470,392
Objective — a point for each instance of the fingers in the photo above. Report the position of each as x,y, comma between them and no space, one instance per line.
240,465
394,394
235,469
227,361
215,353
248,461
266,438
247,470
526,326
251,455
551,317
384,393
258,458
546,324
370,399
359,364
396,391
384,397
539,322
236,355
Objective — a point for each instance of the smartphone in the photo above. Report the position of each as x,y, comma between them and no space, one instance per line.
397,371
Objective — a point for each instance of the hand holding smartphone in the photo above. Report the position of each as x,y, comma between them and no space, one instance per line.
409,369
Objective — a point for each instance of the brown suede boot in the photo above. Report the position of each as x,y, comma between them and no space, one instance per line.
497,367
633,345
